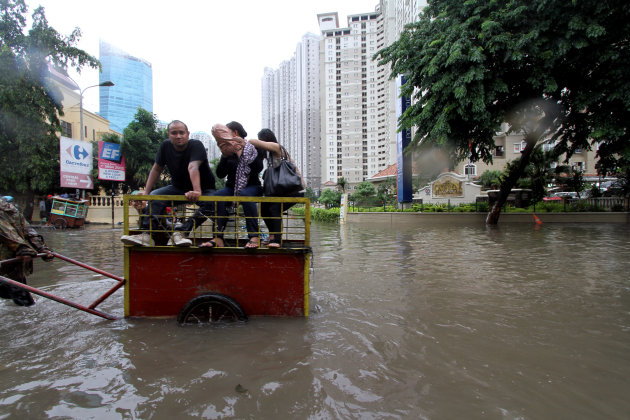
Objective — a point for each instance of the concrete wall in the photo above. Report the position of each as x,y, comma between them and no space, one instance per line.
413,219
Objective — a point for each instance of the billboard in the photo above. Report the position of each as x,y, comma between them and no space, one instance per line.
111,164
75,163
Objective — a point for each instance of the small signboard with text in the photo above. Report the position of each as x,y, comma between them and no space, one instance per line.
75,163
111,164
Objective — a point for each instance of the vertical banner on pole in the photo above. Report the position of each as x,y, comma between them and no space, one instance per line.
75,161
343,208
111,164
403,175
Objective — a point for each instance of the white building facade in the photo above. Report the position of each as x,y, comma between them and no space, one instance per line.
290,107
331,105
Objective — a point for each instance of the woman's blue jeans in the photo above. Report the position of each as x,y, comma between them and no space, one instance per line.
249,208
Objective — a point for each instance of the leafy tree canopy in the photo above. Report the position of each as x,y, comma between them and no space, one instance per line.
141,140
29,120
330,198
551,69
342,184
491,179
363,191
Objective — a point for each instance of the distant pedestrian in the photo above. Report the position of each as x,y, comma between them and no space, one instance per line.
42,209
49,203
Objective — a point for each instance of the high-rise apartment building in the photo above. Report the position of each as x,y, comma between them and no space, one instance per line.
357,120
290,107
354,99
133,86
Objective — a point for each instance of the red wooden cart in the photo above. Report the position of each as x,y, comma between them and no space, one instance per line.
199,285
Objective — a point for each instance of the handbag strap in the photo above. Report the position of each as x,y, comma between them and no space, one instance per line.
284,154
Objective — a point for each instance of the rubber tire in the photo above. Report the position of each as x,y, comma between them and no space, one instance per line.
211,308
60,224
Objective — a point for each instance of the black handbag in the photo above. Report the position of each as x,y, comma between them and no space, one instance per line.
282,180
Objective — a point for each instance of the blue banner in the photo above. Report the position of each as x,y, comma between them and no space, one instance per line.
111,152
404,174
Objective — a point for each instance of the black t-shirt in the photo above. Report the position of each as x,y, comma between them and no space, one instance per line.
177,164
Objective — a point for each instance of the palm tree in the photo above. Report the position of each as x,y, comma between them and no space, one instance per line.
341,184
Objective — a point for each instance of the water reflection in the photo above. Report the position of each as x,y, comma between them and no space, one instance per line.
430,322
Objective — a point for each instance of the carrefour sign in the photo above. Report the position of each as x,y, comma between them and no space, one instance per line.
75,156
75,163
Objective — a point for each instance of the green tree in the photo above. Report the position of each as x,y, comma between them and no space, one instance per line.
570,179
220,183
29,112
386,191
364,191
342,184
472,65
309,193
141,140
538,174
491,179
330,198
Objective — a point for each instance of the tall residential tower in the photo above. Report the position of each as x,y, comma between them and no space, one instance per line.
354,99
290,107
133,86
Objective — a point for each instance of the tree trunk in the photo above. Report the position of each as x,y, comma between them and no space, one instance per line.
510,181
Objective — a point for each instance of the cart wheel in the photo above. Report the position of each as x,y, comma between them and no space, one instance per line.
211,308
60,224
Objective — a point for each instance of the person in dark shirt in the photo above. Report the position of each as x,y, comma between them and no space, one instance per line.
187,163
241,163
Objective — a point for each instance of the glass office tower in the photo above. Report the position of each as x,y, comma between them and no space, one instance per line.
133,86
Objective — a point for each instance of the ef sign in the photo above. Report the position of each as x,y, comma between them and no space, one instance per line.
111,165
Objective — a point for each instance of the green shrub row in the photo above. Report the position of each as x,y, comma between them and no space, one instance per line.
317,214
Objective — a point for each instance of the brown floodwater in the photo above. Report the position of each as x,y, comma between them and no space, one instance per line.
433,322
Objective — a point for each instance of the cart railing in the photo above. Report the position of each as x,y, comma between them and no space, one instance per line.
295,229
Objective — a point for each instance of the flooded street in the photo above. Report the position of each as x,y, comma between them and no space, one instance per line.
434,322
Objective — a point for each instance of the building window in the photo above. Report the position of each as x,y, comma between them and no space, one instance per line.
470,169
578,166
66,129
517,147
499,151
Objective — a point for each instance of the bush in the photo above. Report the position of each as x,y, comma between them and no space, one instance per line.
483,207
325,215
617,207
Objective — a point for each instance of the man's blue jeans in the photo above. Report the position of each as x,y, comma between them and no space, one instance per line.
158,208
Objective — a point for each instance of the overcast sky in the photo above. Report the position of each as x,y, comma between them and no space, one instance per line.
208,56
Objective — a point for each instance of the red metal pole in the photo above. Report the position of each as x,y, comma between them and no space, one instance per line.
96,270
56,298
90,309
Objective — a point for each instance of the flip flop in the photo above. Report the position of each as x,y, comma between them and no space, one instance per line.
211,244
252,244
273,244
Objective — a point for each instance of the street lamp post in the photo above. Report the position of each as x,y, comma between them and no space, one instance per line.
105,84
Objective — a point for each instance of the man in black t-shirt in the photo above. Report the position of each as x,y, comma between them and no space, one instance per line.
187,163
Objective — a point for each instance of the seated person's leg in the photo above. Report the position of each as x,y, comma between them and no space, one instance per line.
157,208
271,215
206,209
221,217
250,209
